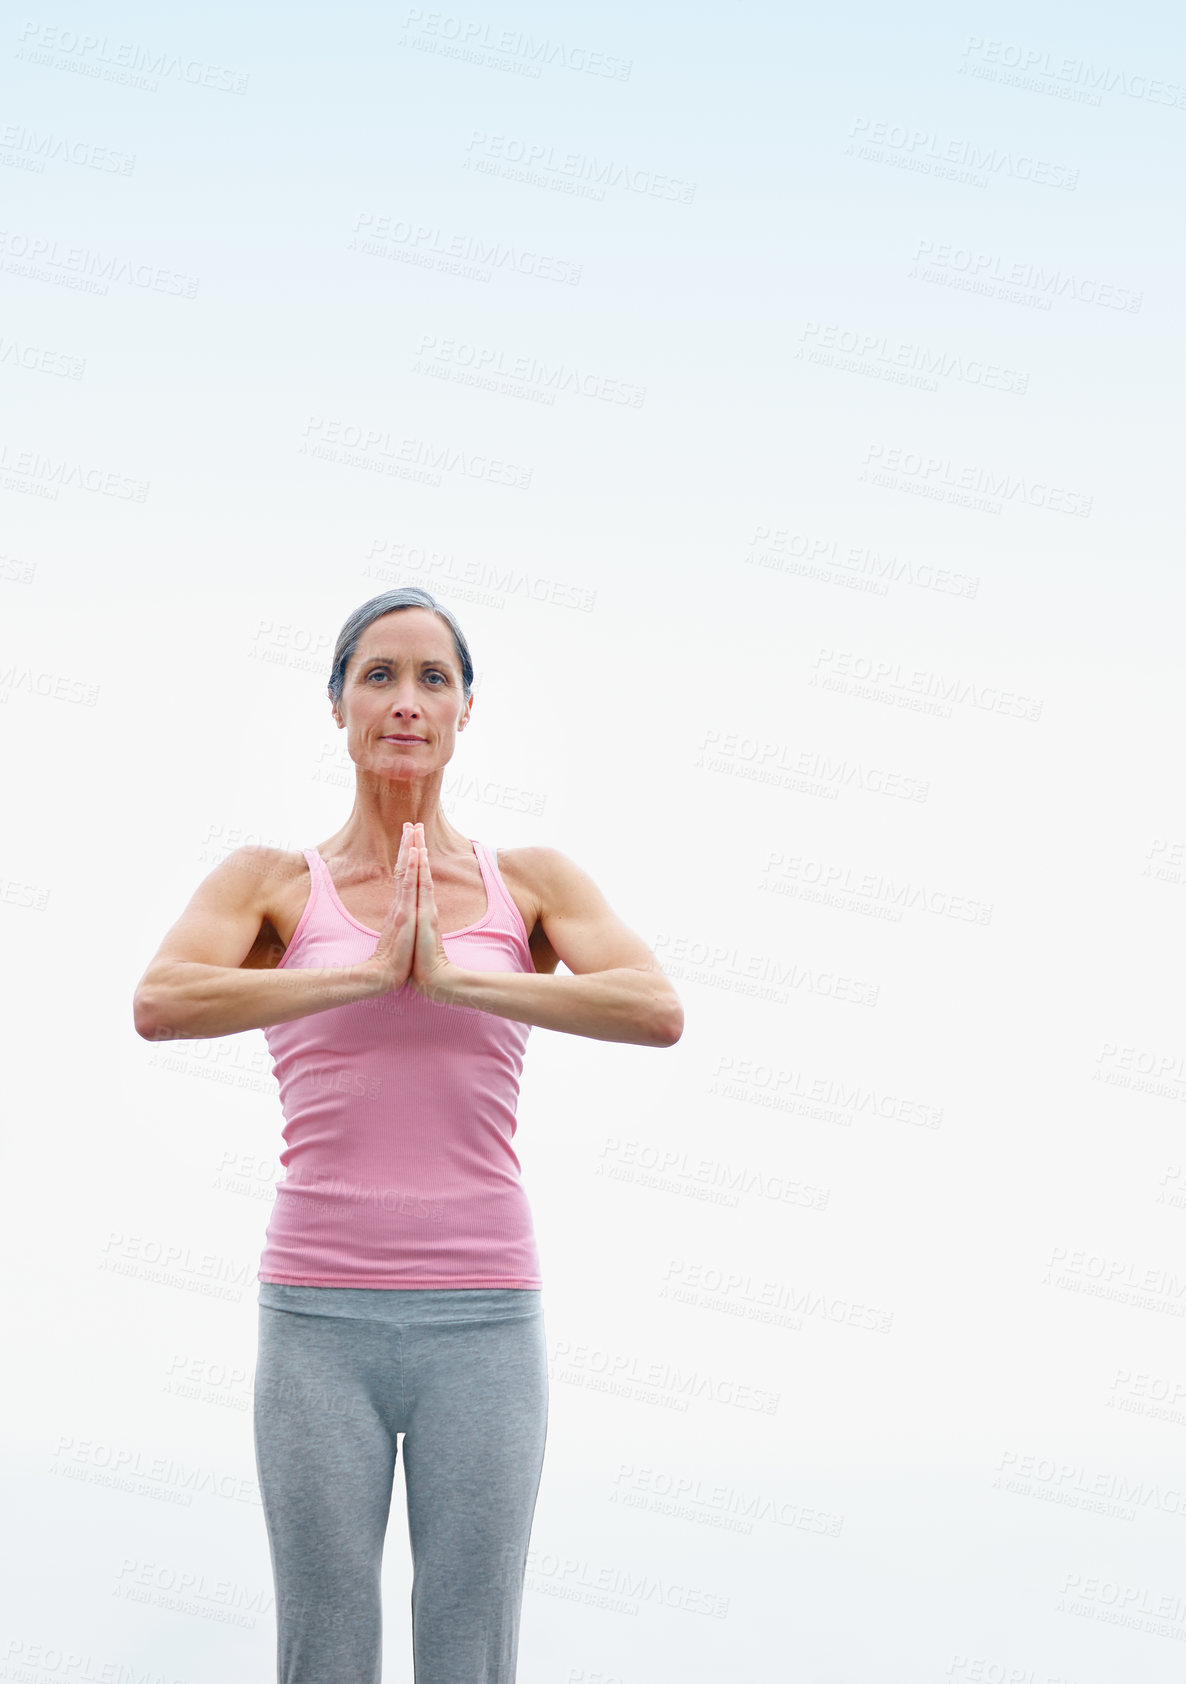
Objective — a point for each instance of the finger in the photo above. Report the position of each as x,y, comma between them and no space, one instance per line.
401,861
429,918
426,900
413,873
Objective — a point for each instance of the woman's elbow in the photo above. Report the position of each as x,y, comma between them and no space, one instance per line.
671,1025
144,1017
150,1014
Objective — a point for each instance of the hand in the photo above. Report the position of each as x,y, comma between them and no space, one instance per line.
392,958
433,972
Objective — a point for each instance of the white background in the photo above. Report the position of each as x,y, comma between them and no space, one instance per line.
874,590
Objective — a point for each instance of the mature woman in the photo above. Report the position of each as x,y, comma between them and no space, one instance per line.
396,970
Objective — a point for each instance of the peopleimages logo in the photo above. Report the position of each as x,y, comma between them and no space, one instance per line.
1040,71
474,256
121,61
967,161
546,165
504,49
901,361
945,480
1016,280
45,259
518,373
51,474
374,449
33,151
885,678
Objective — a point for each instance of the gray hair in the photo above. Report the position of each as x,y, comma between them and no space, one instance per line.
404,596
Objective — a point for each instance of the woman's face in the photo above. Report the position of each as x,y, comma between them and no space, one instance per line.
403,681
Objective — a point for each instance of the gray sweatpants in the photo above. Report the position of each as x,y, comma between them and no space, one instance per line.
461,1373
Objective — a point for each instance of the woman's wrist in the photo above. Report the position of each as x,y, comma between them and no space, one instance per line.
448,986
368,980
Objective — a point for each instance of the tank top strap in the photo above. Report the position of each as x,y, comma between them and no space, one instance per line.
322,894
499,896
318,874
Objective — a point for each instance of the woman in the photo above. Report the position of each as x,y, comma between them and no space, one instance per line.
396,970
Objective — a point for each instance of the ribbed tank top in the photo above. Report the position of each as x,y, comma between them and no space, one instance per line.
399,1116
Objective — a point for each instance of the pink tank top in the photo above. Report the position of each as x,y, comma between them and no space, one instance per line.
399,1116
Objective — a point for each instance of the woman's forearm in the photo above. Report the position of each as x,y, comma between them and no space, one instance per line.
189,1001
619,1005
185,1000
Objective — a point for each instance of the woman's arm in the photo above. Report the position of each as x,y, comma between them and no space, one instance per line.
618,991
196,987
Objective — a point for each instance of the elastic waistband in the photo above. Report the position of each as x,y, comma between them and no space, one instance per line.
410,1305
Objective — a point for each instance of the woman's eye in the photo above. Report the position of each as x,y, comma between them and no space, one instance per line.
381,672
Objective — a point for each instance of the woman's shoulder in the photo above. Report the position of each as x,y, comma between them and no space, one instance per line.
530,866
275,874
571,910
282,880
285,865
548,875
527,858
